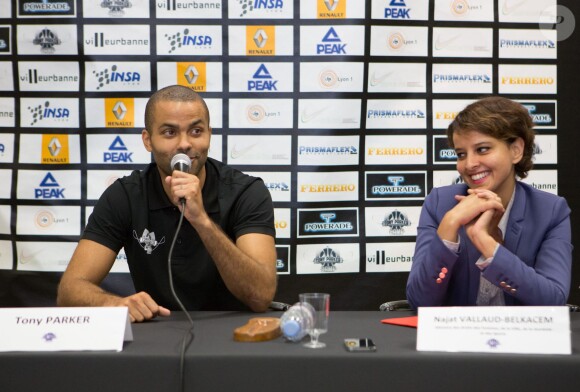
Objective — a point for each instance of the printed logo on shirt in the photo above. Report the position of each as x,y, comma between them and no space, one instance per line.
147,241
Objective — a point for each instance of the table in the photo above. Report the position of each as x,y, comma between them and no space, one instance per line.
215,362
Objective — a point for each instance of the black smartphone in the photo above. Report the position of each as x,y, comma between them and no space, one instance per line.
357,345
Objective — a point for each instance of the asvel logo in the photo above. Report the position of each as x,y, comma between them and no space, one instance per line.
183,39
39,113
262,80
396,221
47,40
118,152
116,7
108,76
328,258
397,10
49,189
331,44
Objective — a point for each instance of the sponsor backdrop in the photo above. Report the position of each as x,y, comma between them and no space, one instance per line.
339,105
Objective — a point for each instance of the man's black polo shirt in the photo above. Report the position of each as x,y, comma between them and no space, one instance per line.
135,213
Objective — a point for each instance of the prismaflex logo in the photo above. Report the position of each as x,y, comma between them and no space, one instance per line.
192,75
55,149
49,189
331,44
331,9
119,113
260,40
118,152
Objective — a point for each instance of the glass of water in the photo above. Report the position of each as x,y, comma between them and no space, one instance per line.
321,304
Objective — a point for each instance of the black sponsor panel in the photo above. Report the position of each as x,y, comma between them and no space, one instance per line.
543,113
442,153
46,8
283,259
327,222
396,185
5,40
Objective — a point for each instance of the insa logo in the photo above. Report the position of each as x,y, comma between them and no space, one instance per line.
396,10
49,189
107,76
118,152
263,82
331,44
40,113
183,39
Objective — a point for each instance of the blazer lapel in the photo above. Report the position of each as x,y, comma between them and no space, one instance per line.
515,221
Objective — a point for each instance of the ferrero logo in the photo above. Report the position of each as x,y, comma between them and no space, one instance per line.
324,188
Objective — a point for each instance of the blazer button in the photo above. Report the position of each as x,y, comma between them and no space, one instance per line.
513,291
503,284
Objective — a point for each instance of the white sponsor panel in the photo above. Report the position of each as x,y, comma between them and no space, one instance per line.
49,185
327,186
400,9
7,147
259,150
31,148
395,150
96,115
546,149
114,76
462,42
216,110
527,79
48,75
327,258
48,220
120,264
6,77
464,10
278,183
396,113
44,256
238,45
528,44
181,40
260,9
332,40
49,112
391,221
331,77
57,40
6,255
462,78
261,77
6,181
261,113
328,150
311,9
6,10
215,147
282,221
544,180
399,41
168,75
526,11
114,39
445,111
329,113
117,149
188,9
389,257
5,217
397,78
446,177
99,180
116,10
7,112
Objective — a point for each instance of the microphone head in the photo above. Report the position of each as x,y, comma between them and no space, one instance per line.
180,162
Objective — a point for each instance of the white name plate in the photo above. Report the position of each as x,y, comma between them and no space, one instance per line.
64,329
495,329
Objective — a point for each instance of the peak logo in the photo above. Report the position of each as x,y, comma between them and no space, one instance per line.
55,149
118,152
331,9
49,189
119,112
192,75
331,44
260,40
262,80
397,10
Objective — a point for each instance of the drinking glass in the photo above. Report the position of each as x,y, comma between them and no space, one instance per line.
320,302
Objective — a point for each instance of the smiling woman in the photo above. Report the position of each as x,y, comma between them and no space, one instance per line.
493,240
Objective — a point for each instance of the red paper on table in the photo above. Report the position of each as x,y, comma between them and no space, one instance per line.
409,321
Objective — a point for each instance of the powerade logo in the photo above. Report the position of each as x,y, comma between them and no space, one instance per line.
118,152
262,80
543,113
405,185
47,7
319,223
397,10
396,187
331,44
49,189
442,152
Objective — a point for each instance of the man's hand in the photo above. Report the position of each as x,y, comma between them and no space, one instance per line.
142,307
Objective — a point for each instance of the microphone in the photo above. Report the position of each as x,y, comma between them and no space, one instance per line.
180,162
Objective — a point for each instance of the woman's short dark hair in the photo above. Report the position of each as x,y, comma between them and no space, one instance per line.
500,118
